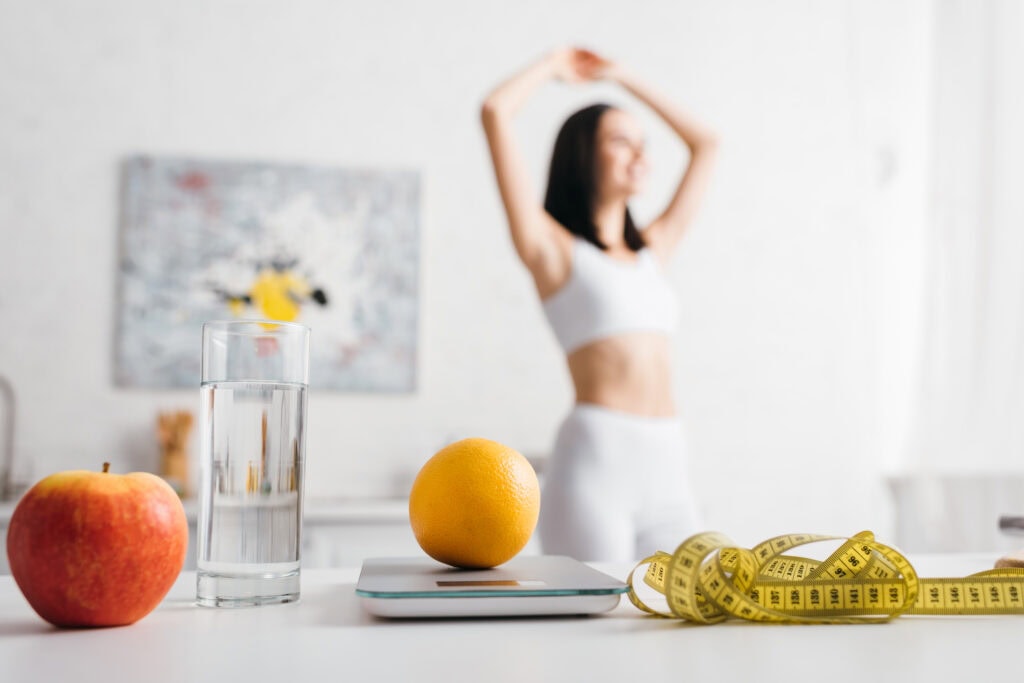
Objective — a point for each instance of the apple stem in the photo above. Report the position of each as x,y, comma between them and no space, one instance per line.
106,467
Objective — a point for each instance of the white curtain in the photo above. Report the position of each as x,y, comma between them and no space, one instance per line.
965,456
970,410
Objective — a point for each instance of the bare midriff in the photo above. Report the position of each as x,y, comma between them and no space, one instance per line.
628,372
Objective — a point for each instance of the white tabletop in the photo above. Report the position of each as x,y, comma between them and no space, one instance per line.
328,637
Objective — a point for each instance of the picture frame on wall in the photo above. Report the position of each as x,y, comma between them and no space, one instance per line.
335,249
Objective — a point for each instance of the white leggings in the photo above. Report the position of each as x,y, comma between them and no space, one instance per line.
616,487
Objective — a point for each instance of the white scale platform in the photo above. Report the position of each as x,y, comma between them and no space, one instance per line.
531,585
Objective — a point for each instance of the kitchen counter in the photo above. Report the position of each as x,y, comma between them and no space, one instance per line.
317,511
335,532
327,636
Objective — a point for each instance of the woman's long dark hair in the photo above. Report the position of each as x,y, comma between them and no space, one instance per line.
572,181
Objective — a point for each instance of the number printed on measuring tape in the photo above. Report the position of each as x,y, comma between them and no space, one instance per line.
709,579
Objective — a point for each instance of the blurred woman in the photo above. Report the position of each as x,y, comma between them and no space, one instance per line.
616,486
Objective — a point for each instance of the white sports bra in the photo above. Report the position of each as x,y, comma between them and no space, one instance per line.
605,297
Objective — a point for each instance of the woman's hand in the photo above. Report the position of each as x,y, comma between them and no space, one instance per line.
576,65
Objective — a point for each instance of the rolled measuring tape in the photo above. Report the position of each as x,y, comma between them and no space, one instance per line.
709,579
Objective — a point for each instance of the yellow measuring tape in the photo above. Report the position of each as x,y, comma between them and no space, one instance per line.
708,579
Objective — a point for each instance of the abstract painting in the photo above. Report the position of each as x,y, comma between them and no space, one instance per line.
334,249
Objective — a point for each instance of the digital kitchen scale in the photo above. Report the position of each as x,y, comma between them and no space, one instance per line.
528,585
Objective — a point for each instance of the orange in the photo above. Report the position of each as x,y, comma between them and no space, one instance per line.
474,504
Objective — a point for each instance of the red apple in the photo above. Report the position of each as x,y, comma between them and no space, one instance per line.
95,548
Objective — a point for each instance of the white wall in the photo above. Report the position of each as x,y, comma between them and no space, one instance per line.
791,345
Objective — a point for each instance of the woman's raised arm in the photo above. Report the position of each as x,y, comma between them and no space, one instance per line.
542,244
664,233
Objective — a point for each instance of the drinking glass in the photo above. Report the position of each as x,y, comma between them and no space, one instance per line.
253,422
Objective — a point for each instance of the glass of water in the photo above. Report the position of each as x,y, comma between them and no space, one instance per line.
253,422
